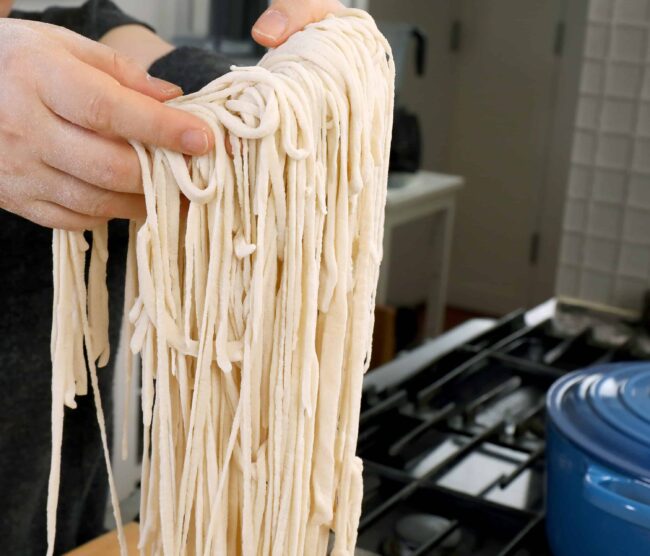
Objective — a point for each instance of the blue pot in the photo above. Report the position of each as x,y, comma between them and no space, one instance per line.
598,462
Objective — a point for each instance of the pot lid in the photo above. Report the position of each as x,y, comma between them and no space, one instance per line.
622,398
605,410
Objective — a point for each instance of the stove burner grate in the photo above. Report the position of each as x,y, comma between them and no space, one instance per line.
454,452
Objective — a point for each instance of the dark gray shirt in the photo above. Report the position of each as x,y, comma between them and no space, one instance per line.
25,320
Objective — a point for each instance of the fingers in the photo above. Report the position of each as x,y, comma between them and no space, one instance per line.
51,215
87,200
107,163
123,69
285,17
94,100
228,144
127,72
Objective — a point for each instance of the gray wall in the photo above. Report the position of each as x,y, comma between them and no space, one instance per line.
434,108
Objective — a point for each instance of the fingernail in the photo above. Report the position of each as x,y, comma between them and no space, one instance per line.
195,141
272,24
165,87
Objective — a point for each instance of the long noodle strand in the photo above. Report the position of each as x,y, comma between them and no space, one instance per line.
251,311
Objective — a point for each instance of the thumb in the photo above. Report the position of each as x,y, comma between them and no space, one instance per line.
286,17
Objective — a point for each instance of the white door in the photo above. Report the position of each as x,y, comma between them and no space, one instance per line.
503,104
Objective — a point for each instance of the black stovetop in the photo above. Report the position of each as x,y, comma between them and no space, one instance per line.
454,454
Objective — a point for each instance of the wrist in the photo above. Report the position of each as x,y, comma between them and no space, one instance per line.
138,43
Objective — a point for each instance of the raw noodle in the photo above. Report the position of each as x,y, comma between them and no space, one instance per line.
252,311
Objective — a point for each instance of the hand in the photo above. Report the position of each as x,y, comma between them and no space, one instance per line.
285,17
67,104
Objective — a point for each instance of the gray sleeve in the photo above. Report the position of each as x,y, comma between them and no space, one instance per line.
190,68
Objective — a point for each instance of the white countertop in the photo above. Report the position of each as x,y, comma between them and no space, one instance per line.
405,187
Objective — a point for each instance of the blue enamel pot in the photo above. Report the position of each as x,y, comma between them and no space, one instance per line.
598,462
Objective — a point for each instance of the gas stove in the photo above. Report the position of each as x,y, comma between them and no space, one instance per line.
452,433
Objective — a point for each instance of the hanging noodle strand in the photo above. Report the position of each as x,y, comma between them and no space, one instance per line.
251,311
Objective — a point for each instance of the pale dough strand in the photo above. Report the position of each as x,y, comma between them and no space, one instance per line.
252,311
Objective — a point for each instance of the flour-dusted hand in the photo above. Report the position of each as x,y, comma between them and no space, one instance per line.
68,106
285,17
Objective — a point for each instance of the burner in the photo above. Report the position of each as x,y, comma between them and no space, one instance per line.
415,530
454,450
569,324
641,347
612,335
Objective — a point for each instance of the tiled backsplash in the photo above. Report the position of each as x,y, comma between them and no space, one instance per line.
605,255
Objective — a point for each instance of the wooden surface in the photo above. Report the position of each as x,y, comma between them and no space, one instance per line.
107,544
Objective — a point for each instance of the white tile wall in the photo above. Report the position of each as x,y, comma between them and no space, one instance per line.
595,285
588,113
604,220
567,280
636,226
635,261
584,147
643,124
628,292
576,215
609,186
605,255
630,10
623,79
642,155
628,44
579,182
600,254
613,151
617,115
640,190
645,91
600,10
571,248
597,40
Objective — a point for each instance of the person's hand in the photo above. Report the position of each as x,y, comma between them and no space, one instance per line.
285,17
67,104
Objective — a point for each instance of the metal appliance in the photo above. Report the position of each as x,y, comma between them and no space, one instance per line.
453,436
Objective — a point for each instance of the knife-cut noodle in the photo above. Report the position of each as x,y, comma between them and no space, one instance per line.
252,311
